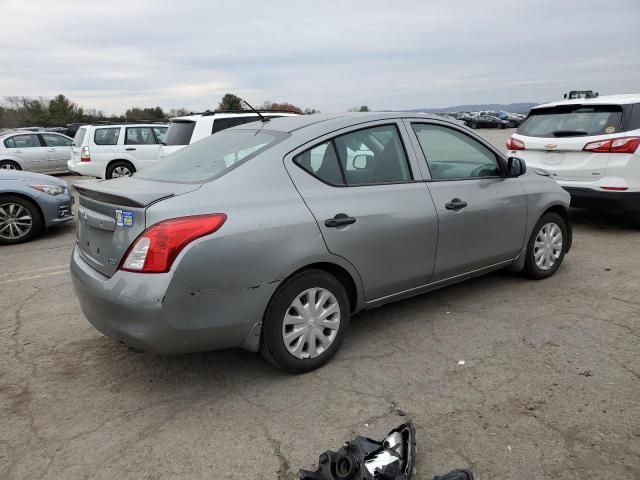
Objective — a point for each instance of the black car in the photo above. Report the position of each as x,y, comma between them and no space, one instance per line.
487,121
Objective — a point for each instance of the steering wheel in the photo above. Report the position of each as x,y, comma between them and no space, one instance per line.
486,170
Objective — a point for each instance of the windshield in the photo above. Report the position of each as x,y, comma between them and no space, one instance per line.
572,121
179,133
212,156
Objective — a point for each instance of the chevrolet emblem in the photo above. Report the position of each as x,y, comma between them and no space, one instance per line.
550,146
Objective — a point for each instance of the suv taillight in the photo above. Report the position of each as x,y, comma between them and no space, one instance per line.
614,145
515,144
85,156
158,246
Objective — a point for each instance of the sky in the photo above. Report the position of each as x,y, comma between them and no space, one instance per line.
329,55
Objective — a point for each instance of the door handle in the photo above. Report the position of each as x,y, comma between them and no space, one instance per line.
455,204
339,220
52,149
130,149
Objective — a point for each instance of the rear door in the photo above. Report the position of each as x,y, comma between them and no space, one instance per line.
141,146
555,138
482,216
58,150
30,151
372,208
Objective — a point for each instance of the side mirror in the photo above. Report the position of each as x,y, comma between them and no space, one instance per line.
515,167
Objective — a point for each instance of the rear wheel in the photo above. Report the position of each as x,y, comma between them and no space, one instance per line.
473,125
305,322
120,168
9,165
19,220
546,247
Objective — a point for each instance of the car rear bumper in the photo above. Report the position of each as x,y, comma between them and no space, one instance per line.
90,169
622,202
161,313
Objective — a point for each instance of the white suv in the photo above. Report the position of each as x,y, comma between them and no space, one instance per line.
110,151
590,146
186,130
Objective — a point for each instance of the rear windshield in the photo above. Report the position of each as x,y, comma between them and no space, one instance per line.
212,156
179,133
79,137
572,121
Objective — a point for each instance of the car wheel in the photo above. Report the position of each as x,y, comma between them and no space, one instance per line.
20,220
120,168
500,126
546,247
305,322
9,165
473,125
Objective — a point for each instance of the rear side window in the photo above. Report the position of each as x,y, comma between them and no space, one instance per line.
179,133
224,123
160,132
25,141
106,136
322,162
140,136
572,121
211,157
9,143
55,140
79,136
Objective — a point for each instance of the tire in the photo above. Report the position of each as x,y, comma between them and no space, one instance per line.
9,165
500,126
537,270
118,169
473,125
274,325
18,208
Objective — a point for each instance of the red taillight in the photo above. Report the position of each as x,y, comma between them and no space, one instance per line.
158,246
615,189
614,145
515,144
85,156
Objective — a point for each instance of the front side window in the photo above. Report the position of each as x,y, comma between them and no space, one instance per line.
452,154
25,141
106,136
55,140
212,156
140,136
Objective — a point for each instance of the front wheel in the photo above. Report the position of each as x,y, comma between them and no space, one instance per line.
19,220
305,322
546,247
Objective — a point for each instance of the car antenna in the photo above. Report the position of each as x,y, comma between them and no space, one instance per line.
263,119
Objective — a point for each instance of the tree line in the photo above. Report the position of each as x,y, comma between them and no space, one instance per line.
59,111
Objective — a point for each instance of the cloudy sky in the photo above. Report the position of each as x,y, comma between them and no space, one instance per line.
328,55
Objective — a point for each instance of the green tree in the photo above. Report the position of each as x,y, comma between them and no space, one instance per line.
230,102
62,111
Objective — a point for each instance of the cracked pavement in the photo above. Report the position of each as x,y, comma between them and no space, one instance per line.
549,387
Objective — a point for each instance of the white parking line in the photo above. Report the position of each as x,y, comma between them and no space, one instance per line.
33,277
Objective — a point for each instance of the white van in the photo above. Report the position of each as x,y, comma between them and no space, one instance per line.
110,151
186,130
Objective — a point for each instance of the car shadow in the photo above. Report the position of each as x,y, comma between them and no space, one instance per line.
604,220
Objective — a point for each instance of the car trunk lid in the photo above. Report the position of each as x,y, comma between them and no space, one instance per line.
111,215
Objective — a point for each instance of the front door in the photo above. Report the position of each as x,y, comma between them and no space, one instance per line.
58,150
482,215
363,189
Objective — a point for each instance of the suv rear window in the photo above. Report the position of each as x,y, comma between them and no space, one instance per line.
572,121
79,136
179,133
211,157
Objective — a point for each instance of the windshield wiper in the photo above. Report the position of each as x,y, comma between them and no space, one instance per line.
570,133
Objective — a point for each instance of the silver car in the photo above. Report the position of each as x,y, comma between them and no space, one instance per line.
31,203
269,236
34,151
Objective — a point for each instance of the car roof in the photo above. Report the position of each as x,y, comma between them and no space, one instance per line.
339,120
192,117
601,100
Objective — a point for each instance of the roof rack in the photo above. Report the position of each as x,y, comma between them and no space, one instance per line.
207,113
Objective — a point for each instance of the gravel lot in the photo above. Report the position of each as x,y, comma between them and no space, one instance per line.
549,387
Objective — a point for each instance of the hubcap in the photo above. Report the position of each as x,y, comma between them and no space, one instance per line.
15,221
311,323
548,246
8,166
121,172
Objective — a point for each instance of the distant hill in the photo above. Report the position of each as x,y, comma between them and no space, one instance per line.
508,107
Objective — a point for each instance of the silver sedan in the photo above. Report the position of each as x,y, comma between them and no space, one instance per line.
43,152
269,236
